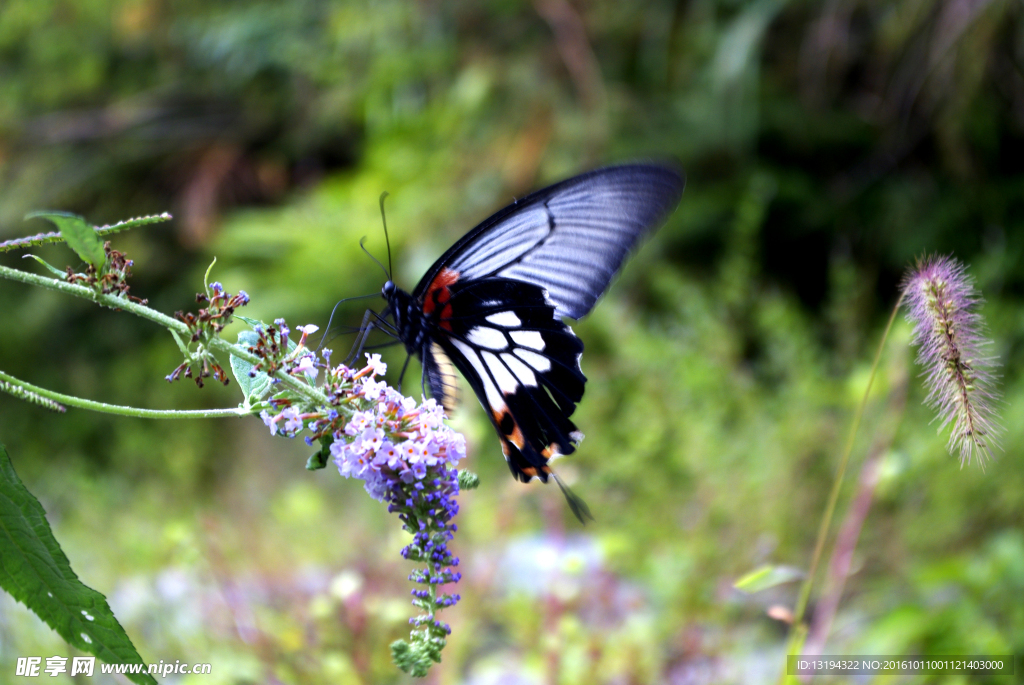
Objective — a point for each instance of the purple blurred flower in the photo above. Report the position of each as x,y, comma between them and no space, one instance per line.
949,332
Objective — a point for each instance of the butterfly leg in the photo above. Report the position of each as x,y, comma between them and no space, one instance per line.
402,375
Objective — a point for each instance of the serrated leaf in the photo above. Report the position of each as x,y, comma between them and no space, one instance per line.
767,576
253,387
54,270
79,235
35,571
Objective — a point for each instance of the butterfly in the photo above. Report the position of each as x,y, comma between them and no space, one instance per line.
493,305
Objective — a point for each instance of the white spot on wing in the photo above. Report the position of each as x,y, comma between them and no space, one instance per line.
548,301
494,399
491,338
507,319
520,370
538,361
531,339
507,383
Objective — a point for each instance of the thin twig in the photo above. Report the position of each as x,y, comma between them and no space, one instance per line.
799,630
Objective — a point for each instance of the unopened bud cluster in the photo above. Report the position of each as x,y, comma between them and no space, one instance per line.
111,278
207,324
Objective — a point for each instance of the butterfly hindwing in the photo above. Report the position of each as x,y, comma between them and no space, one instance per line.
523,364
439,373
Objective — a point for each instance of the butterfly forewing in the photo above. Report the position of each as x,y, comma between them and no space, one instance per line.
570,238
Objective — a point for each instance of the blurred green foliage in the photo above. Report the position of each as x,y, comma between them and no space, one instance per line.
826,145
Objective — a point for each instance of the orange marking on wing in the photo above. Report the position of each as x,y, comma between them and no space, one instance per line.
553,451
530,471
438,294
517,438
508,426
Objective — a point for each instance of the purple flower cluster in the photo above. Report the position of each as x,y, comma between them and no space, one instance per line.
949,332
395,442
427,513
404,454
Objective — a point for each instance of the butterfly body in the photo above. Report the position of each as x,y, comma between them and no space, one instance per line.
492,305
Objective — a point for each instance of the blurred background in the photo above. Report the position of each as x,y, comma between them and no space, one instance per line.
827,145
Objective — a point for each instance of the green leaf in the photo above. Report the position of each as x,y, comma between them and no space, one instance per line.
254,388
319,459
252,322
54,270
34,570
767,576
256,323
79,235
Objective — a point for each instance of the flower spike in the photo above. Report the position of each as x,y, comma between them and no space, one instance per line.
949,332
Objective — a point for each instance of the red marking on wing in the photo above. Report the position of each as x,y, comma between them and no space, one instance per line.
438,294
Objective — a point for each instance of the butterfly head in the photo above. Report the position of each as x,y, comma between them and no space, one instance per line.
388,290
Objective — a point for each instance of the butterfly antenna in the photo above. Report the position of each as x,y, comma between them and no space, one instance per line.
387,240
363,247
347,299
576,503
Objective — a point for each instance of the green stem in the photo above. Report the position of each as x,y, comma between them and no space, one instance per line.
799,630
102,231
153,315
93,296
72,401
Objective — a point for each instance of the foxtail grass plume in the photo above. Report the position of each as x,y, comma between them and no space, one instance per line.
949,332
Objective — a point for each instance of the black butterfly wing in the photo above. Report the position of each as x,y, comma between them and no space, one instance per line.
570,238
494,303
521,361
